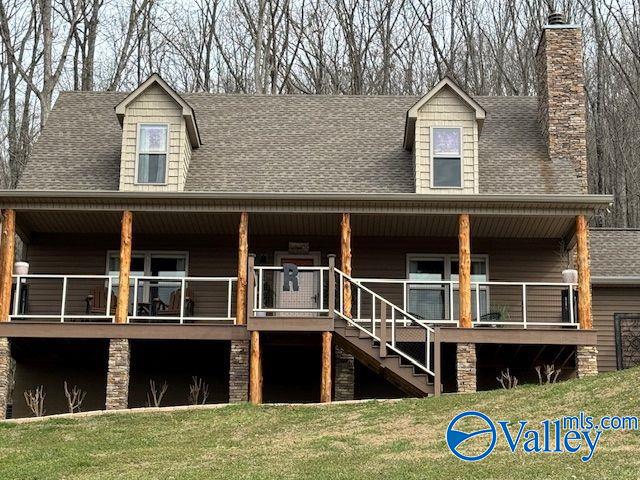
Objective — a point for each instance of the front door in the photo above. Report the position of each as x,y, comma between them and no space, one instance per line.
308,295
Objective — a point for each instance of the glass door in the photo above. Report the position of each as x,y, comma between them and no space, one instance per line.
150,264
427,301
478,274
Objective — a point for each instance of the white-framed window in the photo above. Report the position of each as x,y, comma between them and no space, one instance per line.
446,157
150,264
432,301
152,153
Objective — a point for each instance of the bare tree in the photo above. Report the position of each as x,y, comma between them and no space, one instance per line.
35,400
198,391
74,397
157,393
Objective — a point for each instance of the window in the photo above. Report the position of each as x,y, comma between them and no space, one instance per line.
446,164
431,301
150,264
152,154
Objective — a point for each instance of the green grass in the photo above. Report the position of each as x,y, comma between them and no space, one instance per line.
402,439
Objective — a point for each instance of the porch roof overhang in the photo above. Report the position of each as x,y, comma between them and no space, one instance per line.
401,203
517,216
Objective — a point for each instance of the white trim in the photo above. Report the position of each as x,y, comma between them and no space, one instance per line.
447,258
431,158
166,153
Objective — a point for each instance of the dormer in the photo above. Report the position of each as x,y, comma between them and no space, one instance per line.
159,132
442,130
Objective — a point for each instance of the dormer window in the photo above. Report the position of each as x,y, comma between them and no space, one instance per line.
446,157
151,165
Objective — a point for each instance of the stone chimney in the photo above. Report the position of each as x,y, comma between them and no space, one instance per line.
561,95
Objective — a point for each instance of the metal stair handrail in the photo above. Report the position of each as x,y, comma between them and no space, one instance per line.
392,345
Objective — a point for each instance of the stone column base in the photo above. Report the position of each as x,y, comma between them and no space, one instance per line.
7,370
586,361
239,371
466,367
344,382
118,374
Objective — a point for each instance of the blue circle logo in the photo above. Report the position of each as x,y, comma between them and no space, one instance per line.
457,440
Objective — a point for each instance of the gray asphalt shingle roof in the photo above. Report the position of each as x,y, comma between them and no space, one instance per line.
293,143
614,252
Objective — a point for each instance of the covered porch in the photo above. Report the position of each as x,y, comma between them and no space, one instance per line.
400,271
182,264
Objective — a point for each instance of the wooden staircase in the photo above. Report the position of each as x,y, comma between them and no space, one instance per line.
390,365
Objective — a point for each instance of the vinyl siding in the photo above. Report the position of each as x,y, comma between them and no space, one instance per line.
608,301
446,109
155,106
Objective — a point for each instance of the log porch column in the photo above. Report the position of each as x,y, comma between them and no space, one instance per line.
464,272
584,273
465,352
345,261
586,356
255,370
325,379
122,308
7,253
118,364
243,256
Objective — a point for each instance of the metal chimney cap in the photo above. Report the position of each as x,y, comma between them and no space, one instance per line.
556,18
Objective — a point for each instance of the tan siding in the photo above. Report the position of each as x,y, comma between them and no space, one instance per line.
608,301
448,110
155,106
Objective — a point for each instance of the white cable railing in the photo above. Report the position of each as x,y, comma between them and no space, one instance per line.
186,299
183,299
398,318
24,283
514,304
269,296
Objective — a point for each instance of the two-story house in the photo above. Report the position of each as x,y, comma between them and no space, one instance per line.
302,248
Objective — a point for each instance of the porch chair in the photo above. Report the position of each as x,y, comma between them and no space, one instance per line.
96,302
172,309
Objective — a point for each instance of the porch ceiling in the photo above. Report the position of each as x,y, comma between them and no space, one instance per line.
386,225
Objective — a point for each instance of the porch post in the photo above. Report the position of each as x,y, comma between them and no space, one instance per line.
122,307
586,356
464,273
584,273
465,352
7,253
243,255
255,370
325,379
345,261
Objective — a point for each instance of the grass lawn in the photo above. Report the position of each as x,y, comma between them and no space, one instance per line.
402,439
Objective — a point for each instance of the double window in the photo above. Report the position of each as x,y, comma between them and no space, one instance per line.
446,157
151,264
151,164
432,301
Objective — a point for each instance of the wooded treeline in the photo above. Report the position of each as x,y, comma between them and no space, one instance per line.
321,46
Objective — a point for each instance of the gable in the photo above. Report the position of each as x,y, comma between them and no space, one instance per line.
445,109
154,106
